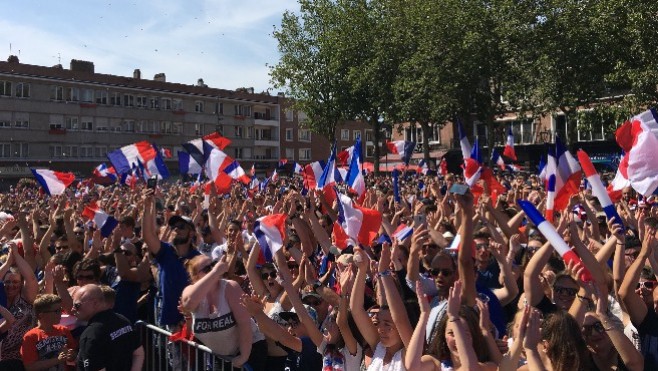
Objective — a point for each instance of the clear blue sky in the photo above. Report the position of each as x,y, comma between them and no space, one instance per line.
226,42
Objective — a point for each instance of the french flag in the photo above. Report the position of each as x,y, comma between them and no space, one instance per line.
187,164
165,152
621,177
235,171
473,166
422,167
463,141
598,189
509,146
298,169
638,139
402,232
270,231
354,177
275,176
104,173
344,158
106,223
498,160
358,224
567,173
312,173
200,148
550,198
403,148
330,174
142,152
217,162
54,182
553,237
252,172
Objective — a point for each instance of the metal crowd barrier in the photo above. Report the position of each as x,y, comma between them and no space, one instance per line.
181,355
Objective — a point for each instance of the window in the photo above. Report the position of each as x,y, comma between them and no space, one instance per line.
101,123
101,96
21,150
87,95
86,151
480,129
101,151
115,99
523,131
250,132
71,123
290,154
5,123
22,120
304,154
56,93
436,134
177,128
153,126
304,135
72,94
166,103
238,152
289,135
247,111
129,126
198,106
290,115
5,119
87,124
128,100
369,136
154,103
5,150
197,129
166,127
370,151
239,110
5,88
22,90
356,134
219,108
56,122
344,134
55,150
115,124
177,105
142,102
238,131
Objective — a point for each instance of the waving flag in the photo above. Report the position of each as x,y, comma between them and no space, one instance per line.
252,172
330,174
638,139
142,152
498,160
104,174
200,148
359,224
567,173
422,167
106,223
402,232
270,231
298,169
598,189
187,164
235,171
54,182
403,148
509,146
550,198
312,173
166,152
344,158
217,162
463,141
354,177
473,165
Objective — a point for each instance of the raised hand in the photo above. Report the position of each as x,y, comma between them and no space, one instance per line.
454,300
422,298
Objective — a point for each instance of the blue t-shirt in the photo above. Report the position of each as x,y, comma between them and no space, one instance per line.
173,278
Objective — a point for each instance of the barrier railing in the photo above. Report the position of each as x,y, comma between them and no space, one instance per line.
164,355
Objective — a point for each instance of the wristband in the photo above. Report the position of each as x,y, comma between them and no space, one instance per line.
384,273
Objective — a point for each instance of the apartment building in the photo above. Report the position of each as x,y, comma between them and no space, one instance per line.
68,119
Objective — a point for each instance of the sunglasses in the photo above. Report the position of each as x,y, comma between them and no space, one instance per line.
313,303
482,246
648,285
61,247
596,326
86,277
565,291
444,272
265,275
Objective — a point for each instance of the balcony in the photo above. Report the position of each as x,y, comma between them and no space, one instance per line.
266,142
263,122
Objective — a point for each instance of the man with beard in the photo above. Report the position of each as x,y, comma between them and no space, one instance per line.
170,260
640,297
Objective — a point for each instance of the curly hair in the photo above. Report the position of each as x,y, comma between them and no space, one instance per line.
566,347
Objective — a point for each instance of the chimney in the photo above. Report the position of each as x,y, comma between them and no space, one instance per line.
12,59
250,90
82,66
137,74
161,77
200,82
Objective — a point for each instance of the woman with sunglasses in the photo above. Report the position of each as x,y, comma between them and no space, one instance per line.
264,283
20,287
219,318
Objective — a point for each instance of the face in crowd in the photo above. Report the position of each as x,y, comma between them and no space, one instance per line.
564,291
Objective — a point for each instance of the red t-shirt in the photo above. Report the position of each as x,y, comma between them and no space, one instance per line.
39,345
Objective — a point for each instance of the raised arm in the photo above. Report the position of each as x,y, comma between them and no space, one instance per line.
363,322
532,286
465,255
27,239
149,233
413,357
193,294
31,288
393,297
510,289
634,304
253,273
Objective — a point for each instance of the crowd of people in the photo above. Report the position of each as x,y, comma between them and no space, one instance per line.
474,286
